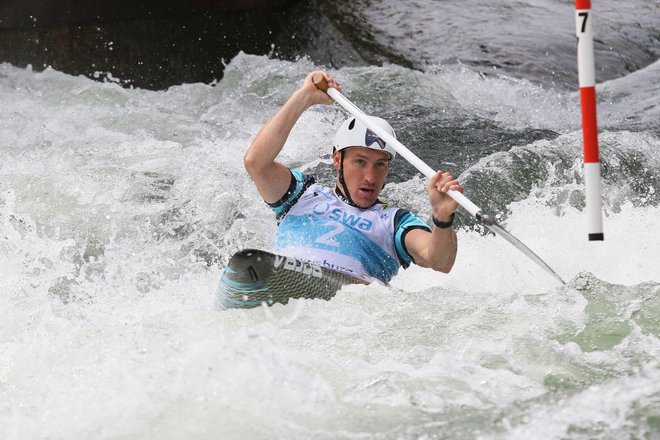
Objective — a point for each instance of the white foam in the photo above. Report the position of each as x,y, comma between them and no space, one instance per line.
117,208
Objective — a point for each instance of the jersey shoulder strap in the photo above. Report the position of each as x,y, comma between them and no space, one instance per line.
404,222
299,184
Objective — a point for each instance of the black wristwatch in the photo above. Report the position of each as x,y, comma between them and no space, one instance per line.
443,225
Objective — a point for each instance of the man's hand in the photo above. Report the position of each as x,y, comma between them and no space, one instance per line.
441,203
314,95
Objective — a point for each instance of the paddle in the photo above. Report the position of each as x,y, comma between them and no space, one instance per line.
470,207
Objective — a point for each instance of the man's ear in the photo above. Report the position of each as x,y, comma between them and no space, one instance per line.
336,159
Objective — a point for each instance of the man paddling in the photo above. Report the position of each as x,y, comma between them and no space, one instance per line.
348,228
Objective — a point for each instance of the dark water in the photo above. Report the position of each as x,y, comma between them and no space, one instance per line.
534,40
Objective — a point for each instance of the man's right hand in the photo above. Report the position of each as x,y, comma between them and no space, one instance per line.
313,93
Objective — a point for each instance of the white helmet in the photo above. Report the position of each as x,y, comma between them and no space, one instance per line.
353,133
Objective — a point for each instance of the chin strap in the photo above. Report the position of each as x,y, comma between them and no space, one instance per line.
345,197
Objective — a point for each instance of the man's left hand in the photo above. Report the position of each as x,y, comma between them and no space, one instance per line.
441,203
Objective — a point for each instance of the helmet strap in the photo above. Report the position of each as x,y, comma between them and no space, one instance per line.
347,196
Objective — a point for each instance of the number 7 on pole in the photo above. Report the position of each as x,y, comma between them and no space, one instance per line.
587,82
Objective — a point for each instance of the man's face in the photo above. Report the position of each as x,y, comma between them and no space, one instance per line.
365,171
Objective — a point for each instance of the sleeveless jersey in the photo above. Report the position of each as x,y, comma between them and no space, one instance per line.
317,226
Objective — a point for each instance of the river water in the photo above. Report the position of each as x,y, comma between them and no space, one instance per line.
119,208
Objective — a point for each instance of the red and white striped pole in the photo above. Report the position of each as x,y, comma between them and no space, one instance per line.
587,79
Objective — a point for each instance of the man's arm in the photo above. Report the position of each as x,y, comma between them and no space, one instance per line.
437,249
271,177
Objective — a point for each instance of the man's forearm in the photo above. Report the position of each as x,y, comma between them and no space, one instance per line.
442,249
270,140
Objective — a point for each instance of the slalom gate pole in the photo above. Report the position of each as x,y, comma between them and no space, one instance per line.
587,82
470,207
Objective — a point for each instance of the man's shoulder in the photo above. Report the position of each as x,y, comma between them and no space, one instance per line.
298,187
408,219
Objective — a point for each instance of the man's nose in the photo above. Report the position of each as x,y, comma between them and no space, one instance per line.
370,174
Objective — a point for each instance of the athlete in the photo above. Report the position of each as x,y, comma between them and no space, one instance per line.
348,228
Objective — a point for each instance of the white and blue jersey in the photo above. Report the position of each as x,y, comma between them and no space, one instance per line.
318,226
